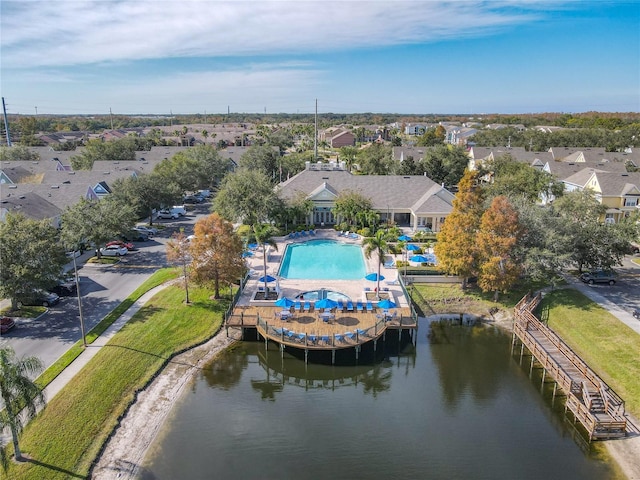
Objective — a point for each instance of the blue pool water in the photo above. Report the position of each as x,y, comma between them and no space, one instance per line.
323,260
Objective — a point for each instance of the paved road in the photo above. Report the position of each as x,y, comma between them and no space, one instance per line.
620,299
102,287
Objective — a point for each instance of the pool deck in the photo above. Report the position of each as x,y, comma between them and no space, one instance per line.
290,288
307,329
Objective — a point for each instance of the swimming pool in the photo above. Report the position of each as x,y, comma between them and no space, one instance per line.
323,260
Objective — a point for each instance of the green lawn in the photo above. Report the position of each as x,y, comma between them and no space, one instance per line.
608,346
64,440
441,298
24,311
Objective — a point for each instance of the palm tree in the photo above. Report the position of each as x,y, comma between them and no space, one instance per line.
18,393
376,244
263,236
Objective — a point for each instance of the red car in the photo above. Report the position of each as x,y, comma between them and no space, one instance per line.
6,324
128,245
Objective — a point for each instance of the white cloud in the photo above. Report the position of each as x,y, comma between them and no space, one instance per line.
42,33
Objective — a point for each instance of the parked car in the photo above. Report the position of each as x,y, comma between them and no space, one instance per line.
6,324
193,199
113,251
205,193
135,236
165,213
39,298
179,209
634,248
128,245
150,231
65,288
599,276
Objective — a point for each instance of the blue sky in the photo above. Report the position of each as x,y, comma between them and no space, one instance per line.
161,56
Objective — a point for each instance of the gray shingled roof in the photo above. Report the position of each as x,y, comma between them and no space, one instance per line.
617,184
385,191
29,204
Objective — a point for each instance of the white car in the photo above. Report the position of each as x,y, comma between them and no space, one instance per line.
179,209
166,213
113,251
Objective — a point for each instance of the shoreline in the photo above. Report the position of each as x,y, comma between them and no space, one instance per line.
125,451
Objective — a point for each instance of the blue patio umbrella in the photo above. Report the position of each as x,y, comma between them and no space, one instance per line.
253,246
419,259
326,303
386,303
267,278
247,254
404,238
373,277
284,302
412,247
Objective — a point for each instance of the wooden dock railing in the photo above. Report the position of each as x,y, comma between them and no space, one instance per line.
593,403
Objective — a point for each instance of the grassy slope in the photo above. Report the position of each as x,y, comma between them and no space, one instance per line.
66,437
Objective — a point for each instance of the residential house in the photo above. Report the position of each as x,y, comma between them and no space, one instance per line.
619,192
412,201
338,137
30,205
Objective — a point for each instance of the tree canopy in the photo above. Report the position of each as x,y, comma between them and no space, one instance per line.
497,240
97,150
217,253
456,246
95,222
30,255
247,196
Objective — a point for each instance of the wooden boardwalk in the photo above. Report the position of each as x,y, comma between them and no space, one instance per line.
596,406
308,331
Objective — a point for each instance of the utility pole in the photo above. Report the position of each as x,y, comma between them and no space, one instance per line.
36,111
6,123
315,136
205,117
111,117
171,118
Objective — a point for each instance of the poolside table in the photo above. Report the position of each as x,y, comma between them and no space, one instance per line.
326,316
284,315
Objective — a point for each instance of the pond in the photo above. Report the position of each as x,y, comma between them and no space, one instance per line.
456,405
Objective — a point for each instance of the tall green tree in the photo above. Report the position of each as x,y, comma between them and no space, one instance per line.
445,164
20,394
217,253
592,243
95,222
517,179
17,152
376,245
456,245
200,167
376,159
262,158
97,150
247,196
349,204
145,193
30,256
497,239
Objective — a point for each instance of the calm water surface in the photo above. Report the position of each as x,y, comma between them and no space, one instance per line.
458,406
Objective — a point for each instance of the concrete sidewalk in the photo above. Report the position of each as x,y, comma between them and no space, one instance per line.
91,350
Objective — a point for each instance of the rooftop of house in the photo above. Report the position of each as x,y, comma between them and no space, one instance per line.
416,192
